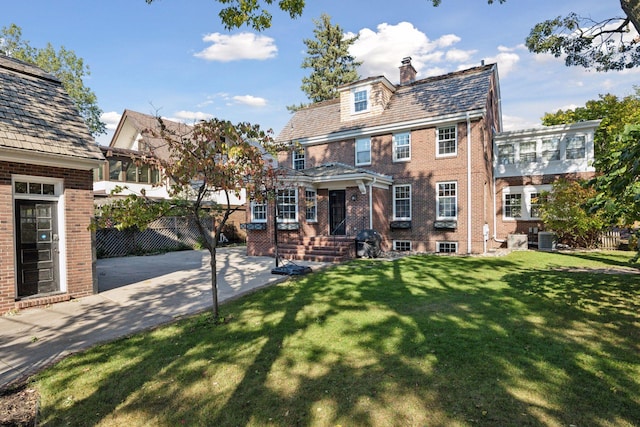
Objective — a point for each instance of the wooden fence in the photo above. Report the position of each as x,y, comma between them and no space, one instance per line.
162,235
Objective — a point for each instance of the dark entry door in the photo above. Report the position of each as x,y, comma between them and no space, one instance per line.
37,247
337,212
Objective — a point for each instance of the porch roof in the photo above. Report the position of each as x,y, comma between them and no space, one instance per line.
340,173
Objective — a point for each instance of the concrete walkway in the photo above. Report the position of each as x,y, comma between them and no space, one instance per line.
135,294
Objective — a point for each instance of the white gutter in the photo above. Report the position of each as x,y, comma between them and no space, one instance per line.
468,184
49,159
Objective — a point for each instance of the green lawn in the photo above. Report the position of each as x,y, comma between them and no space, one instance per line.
526,339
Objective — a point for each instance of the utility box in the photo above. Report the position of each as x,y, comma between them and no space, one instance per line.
546,241
517,242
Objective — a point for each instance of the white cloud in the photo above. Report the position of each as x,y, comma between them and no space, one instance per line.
382,50
250,100
190,116
111,119
225,48
517,123
506,61
458,55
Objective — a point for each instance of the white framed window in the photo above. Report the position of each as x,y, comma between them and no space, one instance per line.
535,200
360,100
447,247
576,147
506,154
363,151
528,152
287,201
550,149
402,147
447,200
258,211
311,205
402,202
513,205
447,141
402,245
298,159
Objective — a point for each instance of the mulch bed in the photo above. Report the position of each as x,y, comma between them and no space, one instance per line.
19,407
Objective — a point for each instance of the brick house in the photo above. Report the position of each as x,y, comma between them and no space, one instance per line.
412,161
46,198
130,143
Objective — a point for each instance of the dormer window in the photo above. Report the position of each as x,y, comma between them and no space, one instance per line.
360,100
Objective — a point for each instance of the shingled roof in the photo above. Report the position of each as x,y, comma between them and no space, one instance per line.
38,117
429,98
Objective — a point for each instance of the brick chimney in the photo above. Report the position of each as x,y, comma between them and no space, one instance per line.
407,72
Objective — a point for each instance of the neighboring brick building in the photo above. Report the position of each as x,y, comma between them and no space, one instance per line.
46,197
412,161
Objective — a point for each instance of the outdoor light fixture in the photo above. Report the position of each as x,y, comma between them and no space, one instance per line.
354,197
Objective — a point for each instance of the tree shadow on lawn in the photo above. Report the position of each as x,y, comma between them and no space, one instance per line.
422,341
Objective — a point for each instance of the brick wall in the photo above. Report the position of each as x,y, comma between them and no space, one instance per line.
424,171
78,198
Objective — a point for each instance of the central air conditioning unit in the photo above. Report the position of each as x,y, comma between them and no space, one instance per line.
546,241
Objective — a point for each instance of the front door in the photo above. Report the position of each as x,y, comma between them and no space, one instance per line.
337,212
37,247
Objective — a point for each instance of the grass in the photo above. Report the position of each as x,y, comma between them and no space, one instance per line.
529,339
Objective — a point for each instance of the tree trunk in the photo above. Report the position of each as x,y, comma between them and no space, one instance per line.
214,282
632,9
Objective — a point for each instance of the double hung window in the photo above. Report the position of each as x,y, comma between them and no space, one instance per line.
401,147
311,205
360,103
287,201
363,151
447,141
513,205
402,202
447,201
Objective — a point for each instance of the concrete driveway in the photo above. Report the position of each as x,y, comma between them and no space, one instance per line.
135,294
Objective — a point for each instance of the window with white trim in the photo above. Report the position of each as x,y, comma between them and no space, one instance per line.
363,151
360,100
311,205
576,147
258,211
535,201
287,201
506,154
513,205
402,202
447,247
447,200
402,245
447,141
528,152
402,147
550,149
298,159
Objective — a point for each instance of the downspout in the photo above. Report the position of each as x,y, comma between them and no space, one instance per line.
468,184
371,203
495,195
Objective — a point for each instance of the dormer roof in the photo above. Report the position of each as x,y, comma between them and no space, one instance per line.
426,100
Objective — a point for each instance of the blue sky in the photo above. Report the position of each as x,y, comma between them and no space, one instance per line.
174,57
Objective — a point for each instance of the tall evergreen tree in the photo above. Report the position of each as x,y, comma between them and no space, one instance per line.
329,59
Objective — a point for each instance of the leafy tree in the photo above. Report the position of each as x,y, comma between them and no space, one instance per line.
329,59
254,13
213,158
64,65
604,45
566,211
614,112
618,181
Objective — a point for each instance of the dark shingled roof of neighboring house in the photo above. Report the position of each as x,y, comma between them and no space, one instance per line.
456,92
36,114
